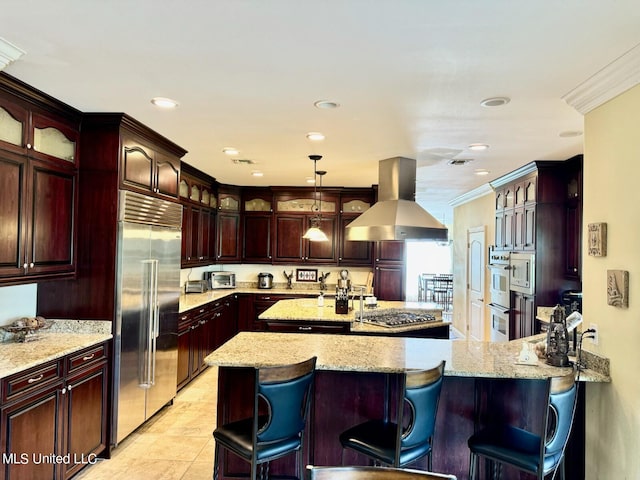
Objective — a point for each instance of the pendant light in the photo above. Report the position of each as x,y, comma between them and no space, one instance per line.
314,234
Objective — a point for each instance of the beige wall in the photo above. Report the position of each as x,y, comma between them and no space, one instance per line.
476,213
612,195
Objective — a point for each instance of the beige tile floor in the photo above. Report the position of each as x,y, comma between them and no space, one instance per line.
175,444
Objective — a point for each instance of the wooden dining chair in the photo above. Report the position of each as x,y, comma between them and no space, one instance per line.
373,473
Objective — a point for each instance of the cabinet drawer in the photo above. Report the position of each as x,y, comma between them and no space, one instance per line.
86,357
31,380
307,327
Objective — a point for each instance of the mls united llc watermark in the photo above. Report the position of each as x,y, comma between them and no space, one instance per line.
51,458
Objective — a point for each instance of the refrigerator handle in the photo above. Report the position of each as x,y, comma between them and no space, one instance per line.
151,286
156,322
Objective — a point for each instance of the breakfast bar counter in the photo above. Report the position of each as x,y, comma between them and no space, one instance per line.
482,384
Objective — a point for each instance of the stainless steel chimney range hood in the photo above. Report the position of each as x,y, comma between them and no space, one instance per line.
396,215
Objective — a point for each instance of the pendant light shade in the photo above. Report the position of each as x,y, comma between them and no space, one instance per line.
314,233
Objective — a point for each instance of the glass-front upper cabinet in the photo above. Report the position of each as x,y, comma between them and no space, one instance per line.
13,127
38,135
53,138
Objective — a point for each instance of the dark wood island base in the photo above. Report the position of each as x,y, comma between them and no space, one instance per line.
354,374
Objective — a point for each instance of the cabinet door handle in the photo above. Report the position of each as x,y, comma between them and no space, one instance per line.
31,265
29,146
305,328
36,379
87,357
63,391
25,265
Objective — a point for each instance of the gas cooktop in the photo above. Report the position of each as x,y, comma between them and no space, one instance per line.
401,319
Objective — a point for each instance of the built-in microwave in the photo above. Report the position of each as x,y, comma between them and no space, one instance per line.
218,280
522,272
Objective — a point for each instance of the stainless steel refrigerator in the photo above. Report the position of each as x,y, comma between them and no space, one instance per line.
147,297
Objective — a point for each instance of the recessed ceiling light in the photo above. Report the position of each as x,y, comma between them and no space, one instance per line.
164,102
570,133
495,101
482,172
315,136
257,173
326,104
311,180
230,151
478,146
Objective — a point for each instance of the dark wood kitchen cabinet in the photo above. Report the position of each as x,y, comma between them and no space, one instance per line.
198,236
149,169
573,214
257,225
200,331
194,338
292,248
296,209
32,421
38,184
85,411
522,322
228,225
389,270
198,217
57,408
352,205
545,221
100,185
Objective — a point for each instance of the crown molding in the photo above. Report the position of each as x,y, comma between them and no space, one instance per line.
474,194
617,77
8,53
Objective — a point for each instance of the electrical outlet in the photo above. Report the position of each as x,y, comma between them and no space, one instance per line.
595,338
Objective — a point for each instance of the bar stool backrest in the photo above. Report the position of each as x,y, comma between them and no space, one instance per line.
562,396
422,392
286,391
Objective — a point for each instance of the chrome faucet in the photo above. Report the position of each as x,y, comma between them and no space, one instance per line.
361,303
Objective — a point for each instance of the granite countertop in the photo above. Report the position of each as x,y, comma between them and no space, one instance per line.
307,309
190,301
64,337
464,358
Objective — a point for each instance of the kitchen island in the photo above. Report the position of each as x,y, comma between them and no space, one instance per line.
482,384
305,315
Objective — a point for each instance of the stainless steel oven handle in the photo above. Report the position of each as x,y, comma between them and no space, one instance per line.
500,308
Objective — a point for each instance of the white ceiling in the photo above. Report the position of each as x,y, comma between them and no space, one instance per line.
409,76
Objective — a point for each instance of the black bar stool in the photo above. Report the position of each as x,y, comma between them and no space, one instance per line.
506,444
390,443
262,438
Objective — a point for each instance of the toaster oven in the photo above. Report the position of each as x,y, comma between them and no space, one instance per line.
216,280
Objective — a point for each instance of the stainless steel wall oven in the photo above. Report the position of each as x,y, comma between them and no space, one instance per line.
500,294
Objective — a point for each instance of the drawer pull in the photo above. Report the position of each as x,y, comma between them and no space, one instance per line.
36,379
305,328
88,357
